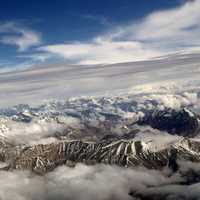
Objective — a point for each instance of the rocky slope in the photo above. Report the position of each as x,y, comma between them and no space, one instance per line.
128,153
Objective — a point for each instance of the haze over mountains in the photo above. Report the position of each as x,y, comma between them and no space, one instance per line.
176,72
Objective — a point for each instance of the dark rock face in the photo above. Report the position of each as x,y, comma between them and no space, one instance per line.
172,161
182,122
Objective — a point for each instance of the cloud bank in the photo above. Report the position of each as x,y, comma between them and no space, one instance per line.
98,182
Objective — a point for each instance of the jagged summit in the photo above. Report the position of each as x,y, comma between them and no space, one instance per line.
103,116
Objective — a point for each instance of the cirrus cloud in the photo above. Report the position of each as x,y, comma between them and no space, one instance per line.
159,33
15,34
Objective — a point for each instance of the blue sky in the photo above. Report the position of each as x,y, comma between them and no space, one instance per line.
93,32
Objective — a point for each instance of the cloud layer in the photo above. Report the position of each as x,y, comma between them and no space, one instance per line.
98,182
82,182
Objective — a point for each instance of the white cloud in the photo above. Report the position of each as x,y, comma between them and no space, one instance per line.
101,51
159,33
171,29
14,34
100,182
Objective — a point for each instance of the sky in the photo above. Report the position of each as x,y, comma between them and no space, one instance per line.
95,32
